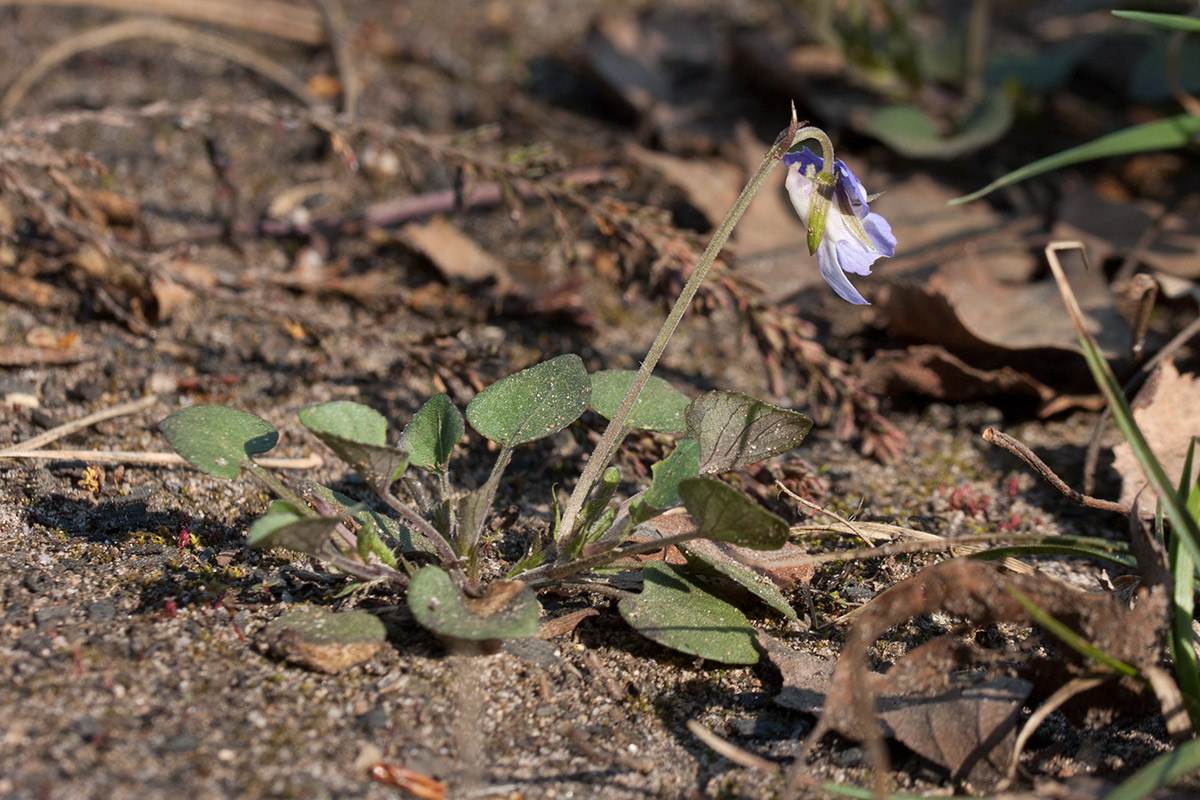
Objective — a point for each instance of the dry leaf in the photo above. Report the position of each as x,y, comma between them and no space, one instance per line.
454,254
1115,230
1167,409
926,676
932,371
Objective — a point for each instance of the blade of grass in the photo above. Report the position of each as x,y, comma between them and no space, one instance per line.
1070,638
1183,524
1159,773
1016,551
1162,134
860,793
1172,22
1183,650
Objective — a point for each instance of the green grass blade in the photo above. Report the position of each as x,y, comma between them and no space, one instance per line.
1069,637
1184,525
1159,773
860,793
1172,22
1017,550
1163,134
1183,567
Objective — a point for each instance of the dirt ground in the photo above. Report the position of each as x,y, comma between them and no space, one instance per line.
131,660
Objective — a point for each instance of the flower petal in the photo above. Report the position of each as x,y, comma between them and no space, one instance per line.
799,189
831,271
804,158
880,233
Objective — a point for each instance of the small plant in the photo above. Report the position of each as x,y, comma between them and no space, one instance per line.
1163,134
434,544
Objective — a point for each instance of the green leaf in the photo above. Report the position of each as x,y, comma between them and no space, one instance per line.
678,613
1160,773
703,563
663,492
1163,134
368,542
397,535
1172,22
1183,601
658,408
216,439
432,433
532,404
284,526
509,610
597,517
726,515
358,434
735,429
910,132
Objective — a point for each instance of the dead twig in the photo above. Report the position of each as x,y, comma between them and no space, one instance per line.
335,26
152,459
729,750
1022,452
32,448
67,428
297,23
1053,703
159,30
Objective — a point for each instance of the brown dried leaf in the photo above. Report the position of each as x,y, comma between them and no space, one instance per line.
1011,330
758,561
966,726
805,676
980,594
932,371
969,729
1167,409
454,254
1116,229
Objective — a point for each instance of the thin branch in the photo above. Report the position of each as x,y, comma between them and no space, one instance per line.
159,30
136,457
809,504
67,428
335,26
297,23
1022,452
729,750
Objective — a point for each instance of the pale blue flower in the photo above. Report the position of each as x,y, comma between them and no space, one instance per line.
843,232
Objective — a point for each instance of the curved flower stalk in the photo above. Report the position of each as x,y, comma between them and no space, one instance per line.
842,231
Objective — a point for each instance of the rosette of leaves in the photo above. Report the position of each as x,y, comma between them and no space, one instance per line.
430,543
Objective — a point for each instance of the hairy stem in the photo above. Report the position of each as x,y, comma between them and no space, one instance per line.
615,431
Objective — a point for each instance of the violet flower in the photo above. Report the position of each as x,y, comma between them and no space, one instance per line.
842,231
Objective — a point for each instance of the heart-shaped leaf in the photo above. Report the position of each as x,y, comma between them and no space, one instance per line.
508,610
735,429
676,612
726,515
284,526
358,434
659,407
217,439
706,558
431,434
910,132
533,403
